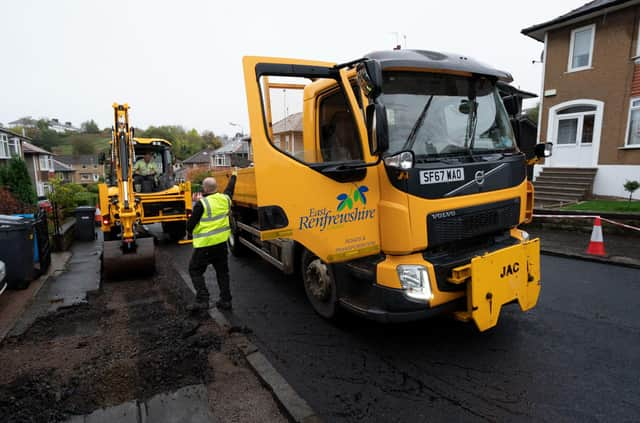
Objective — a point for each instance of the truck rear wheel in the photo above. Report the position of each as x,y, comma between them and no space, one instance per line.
320,286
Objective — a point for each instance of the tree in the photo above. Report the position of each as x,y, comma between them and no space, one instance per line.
15,176
211,140
630,187
533,113
83,144
90,127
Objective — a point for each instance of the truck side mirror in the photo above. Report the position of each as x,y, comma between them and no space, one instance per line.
369,77
512,104
543,150
377,128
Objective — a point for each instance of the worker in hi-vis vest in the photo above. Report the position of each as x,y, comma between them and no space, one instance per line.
209,229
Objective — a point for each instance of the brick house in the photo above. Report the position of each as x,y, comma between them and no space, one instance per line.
287,134
40,166
233,153
590,99
87,168
10,145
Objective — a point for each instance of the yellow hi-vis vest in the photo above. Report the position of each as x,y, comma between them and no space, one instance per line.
213,227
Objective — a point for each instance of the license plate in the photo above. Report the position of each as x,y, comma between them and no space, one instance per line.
440,176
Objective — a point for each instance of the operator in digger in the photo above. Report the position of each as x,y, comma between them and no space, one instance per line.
209,228
145,169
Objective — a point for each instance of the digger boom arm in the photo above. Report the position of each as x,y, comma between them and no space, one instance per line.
123,156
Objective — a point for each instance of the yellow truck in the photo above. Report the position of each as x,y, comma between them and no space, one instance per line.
397,192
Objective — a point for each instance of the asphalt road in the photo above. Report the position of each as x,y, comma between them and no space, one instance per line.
575,357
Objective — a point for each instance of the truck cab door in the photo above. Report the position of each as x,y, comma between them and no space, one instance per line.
309,151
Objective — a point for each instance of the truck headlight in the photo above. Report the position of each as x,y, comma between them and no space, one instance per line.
415,281
525,235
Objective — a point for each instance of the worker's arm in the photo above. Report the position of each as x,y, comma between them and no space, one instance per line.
136,168
195,217
231,186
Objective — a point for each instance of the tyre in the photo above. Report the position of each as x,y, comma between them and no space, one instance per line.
320,286
237,248
175,230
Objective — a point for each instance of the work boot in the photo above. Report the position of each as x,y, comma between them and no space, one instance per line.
223,305
198,305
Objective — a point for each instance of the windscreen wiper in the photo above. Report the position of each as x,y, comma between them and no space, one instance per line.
408,144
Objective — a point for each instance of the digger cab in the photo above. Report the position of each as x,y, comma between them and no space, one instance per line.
161,157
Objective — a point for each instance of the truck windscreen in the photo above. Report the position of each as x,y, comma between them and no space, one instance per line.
444,115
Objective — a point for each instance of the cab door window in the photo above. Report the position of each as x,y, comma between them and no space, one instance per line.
336,139
339,140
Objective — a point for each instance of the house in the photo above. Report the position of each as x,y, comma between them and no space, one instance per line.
233,153
202,159
87,168
10,145
63,171
590,100
287,134
40,166
54,124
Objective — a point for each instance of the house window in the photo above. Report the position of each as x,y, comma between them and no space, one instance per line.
220,160
633,133
14,147
46,163
581,48
4,146
575,125
85,177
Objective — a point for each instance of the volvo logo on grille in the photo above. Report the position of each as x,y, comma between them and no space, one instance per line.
479,177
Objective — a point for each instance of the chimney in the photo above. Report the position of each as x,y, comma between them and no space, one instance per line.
55,120
68,123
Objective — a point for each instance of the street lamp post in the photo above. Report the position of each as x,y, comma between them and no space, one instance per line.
239,126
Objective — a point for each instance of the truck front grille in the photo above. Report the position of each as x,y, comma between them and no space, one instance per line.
470,222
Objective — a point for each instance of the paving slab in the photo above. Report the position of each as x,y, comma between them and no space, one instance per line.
186,405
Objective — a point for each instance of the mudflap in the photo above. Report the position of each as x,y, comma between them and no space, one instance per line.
504,276
119,265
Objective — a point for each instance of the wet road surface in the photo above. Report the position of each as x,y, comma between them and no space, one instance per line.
575,357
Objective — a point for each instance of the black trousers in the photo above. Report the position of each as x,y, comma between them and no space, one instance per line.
216,255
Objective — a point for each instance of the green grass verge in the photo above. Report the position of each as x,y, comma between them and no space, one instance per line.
622,206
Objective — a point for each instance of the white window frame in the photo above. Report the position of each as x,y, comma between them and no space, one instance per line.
45,162
4,146
14,147
579,133
626,137
571,43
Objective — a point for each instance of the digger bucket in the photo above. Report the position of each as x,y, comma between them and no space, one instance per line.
119,265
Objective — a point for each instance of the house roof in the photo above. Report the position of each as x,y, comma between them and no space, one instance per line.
235,146
203,156
29,148
586,11
80,159
58,166
9,132
291,123
27,120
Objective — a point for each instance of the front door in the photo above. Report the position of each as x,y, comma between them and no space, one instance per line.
575,128
309,139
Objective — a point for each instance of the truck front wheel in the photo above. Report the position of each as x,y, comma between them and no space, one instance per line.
320,286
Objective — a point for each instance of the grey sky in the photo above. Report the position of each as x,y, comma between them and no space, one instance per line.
179,62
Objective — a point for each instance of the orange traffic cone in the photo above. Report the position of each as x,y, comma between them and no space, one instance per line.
98,216
596,245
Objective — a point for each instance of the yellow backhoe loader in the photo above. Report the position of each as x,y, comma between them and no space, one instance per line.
131,199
